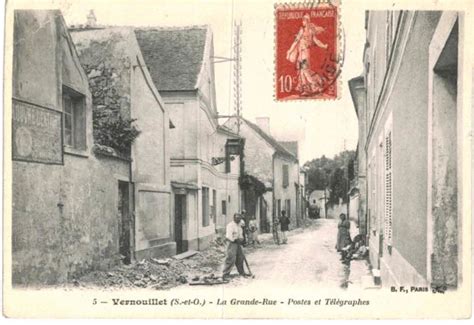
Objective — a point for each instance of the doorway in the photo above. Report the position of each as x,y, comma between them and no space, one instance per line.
263,216
179,217
124,221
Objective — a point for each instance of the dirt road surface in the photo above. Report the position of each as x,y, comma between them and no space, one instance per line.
309,259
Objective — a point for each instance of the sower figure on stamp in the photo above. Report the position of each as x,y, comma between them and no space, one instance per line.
234,238
309,82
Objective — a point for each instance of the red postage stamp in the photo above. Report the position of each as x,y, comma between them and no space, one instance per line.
308,62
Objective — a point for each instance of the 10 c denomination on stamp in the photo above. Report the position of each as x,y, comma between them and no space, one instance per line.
308,62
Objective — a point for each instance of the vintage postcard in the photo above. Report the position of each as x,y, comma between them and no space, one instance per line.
238,159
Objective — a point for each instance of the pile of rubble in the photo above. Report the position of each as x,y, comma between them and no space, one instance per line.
157,273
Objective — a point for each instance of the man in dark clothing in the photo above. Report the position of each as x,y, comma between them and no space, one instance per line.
284,223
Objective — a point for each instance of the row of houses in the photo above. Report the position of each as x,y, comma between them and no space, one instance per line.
117,150
407,193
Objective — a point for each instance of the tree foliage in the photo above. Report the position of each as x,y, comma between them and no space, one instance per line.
326,173
112,130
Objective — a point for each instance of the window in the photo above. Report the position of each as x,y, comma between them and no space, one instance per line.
278,212
388,190
214,205
285,176
288,208
224,207
205,206
74,119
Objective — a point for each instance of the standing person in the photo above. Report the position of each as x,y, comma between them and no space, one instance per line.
343,234
234,236
284,223
253,232
243,224
275,224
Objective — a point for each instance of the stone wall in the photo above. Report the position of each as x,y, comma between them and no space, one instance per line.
258,153
64,218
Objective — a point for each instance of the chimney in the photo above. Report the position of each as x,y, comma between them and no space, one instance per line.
264,124
91,19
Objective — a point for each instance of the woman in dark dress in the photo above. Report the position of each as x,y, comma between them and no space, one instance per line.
343,233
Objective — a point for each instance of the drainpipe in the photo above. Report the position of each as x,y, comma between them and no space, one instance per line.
131,209
197,214
273,189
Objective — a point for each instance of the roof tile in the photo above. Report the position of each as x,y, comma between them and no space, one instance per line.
173,55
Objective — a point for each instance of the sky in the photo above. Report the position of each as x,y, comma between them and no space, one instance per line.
320,127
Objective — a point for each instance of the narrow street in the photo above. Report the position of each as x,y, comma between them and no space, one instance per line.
309,259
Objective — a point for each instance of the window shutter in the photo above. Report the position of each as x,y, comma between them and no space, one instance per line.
388,190
285,176
205,206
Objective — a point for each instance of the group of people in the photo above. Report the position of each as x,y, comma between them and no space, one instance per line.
349,249
238,234
283,222
235,238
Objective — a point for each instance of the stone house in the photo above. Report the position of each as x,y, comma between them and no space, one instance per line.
303,185
65,193
358,195
292,147
413,144
318,203
204,155
272,165
121,85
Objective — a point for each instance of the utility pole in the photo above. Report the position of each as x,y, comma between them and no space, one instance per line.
237,73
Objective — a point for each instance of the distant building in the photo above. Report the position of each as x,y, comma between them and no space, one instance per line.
316,198
205,163
66,194
412,116
292,146
303,183
317,201
121,85
273,166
